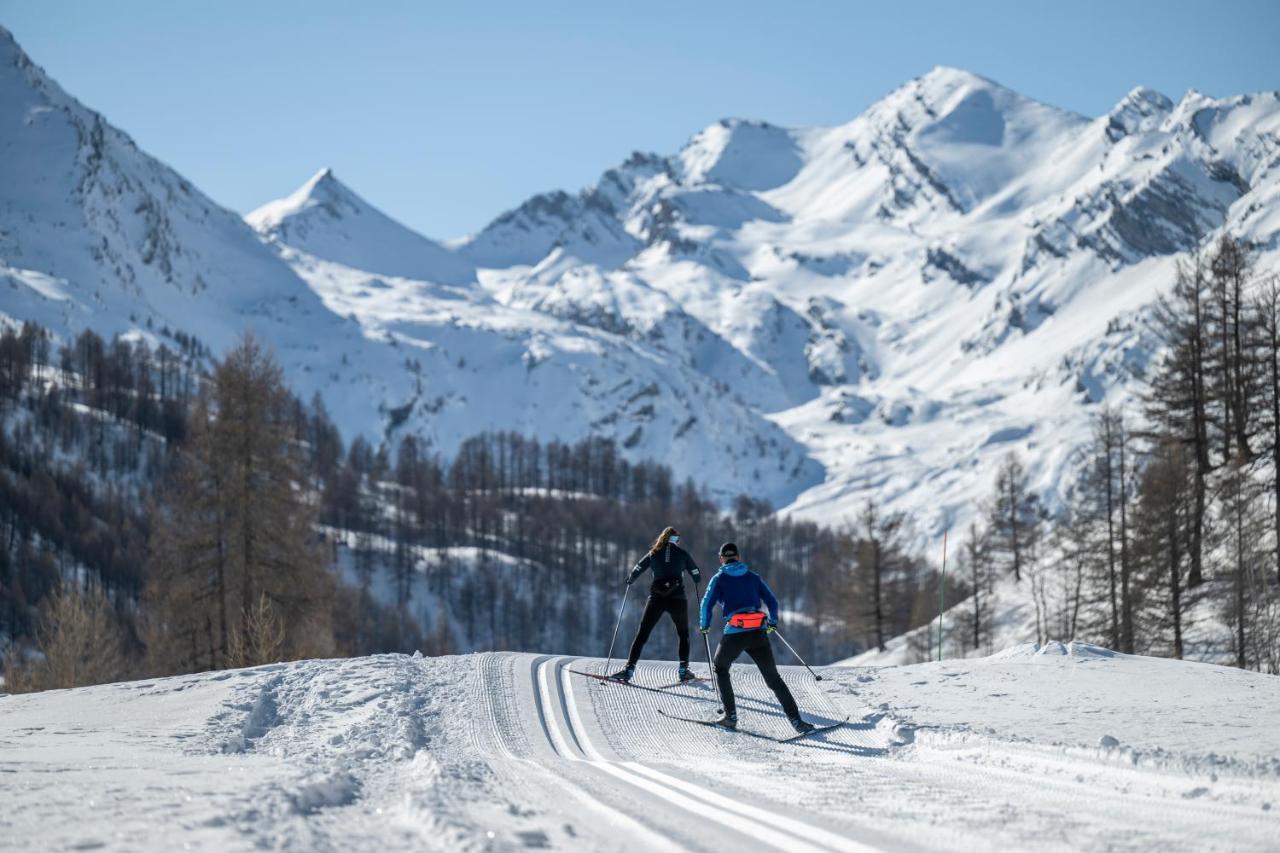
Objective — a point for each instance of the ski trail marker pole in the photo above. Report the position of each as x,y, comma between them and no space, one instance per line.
942,592
793,651
706,643
617,624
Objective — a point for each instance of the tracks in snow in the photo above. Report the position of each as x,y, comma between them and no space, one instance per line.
599,755
688,813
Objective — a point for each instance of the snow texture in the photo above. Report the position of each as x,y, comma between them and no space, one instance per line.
1065,746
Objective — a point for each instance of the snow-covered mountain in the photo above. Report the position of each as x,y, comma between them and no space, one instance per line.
956,273
330,221
814,315
95,233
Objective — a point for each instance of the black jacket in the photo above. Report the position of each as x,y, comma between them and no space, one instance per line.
668,566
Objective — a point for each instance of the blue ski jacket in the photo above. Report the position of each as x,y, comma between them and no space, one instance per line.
736,589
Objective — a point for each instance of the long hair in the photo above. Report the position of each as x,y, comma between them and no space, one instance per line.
663,538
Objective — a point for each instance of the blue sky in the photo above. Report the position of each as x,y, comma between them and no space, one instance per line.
446,114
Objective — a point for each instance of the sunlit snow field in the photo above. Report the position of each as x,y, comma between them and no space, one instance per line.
1060,747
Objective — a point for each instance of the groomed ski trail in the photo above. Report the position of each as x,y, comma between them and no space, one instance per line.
507,752
569,738
863,786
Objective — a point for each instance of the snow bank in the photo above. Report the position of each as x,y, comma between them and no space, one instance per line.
1080,699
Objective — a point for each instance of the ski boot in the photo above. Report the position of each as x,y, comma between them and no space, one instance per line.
624,675
802,727
685,674
728,721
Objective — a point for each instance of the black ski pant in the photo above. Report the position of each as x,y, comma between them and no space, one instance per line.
657,605
756,644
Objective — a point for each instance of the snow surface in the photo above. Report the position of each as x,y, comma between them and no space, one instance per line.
1065,747
816,316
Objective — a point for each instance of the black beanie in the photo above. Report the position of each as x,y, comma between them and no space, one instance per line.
728,549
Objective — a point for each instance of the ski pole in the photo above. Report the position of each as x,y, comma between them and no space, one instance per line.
706,643
793,651
616,625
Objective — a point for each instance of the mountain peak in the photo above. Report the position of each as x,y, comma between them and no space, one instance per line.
324,176
940,90
326,218
948,75
749,155
321,189
1145,99
1139,111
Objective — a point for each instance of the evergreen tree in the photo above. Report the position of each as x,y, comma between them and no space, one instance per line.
233,543
1013,518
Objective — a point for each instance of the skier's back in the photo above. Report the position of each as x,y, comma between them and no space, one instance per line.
740,593
668,562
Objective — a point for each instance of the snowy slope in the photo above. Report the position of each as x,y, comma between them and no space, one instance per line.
818,316
95,233
956,273
1070,749
330,221
477,363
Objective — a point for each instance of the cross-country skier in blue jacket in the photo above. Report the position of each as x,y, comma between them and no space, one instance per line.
740,593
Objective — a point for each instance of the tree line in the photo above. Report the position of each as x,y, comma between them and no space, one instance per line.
163,512
1169,544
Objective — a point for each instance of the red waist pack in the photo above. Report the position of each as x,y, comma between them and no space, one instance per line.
748,619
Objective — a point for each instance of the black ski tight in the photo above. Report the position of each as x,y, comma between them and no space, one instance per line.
678,607
756,644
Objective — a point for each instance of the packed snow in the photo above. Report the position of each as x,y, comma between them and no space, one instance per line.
1038,748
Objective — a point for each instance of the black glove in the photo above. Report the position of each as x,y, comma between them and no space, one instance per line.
697,576
630,580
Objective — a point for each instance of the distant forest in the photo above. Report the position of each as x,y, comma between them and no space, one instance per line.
165,512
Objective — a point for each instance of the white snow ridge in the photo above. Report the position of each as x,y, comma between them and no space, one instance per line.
504,751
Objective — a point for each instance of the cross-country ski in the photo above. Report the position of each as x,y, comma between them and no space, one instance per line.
716,724
662,688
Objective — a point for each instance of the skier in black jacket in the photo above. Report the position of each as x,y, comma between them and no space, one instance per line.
669,562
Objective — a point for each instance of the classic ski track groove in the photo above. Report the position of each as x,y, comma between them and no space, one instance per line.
781,831
585,747
524,774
